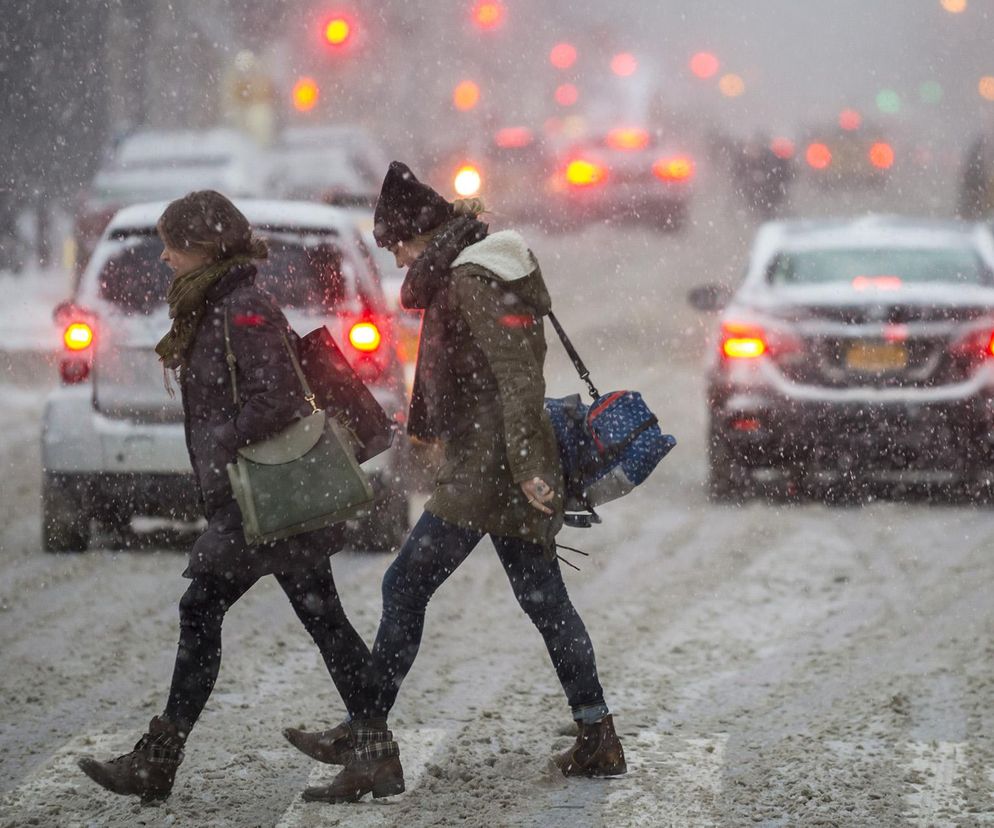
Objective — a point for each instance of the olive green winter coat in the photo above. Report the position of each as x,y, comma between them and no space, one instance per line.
484,341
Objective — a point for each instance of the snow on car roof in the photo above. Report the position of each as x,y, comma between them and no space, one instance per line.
867,231
156,145
257,211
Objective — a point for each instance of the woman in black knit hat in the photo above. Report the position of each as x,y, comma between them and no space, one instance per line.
479,391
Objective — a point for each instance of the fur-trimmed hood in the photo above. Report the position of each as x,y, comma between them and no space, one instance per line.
506,256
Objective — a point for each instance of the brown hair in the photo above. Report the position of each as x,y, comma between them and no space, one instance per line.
209,223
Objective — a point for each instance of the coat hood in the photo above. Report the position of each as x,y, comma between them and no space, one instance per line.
505,255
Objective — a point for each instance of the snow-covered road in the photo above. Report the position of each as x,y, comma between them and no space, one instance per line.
771,664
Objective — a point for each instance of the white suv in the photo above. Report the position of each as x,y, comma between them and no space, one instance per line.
112,439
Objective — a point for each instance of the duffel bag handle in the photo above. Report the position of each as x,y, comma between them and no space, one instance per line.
581,369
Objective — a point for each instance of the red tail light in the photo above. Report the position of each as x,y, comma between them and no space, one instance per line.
78,336
882,155
740,341
977,344
582,173
745,340
370,343
673,169
365,337
818,156
628,138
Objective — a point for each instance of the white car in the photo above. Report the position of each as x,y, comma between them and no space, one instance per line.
112,442
163,164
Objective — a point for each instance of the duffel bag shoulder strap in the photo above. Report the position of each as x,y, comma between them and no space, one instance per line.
232,363
581,369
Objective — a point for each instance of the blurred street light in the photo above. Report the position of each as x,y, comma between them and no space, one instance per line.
954,6
731,86
305,94
466,95
467,181
782,148
488,14
567,94
624,64
888,101
338,30
850,120
931,92
704,65
563,55
986,87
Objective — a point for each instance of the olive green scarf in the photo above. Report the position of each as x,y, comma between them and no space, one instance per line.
187,297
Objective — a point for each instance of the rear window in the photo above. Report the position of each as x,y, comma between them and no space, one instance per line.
304,270
893,266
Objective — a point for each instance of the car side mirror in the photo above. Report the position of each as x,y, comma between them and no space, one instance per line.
709,298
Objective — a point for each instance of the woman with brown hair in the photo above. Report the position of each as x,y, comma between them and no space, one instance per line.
209,245
479,391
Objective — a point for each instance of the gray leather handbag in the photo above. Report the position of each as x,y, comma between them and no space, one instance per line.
304,478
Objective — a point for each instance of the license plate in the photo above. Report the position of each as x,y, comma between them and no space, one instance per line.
877,357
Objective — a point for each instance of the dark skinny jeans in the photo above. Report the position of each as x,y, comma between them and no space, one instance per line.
431,553
314,598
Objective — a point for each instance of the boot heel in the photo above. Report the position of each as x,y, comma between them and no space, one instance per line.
390,788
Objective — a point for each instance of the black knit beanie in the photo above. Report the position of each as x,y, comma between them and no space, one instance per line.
406,207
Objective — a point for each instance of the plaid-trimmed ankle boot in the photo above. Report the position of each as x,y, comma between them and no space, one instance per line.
596,752
373,766
148,771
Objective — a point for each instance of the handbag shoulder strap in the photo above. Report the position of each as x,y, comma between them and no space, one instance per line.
232,362
581,369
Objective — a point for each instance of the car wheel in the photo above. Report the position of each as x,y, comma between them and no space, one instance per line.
65,522
728,479
387,525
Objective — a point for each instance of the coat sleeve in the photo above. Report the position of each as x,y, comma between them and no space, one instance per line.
268,387
520,384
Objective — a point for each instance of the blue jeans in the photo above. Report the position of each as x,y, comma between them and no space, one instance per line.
430,554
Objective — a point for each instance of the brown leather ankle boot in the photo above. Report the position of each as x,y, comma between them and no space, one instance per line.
373,767
333,747
148,771
596,752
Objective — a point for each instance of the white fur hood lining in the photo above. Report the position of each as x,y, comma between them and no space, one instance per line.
504,254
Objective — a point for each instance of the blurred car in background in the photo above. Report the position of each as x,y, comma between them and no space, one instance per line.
112,440
855,351
338,165
629,173
849,154
152,165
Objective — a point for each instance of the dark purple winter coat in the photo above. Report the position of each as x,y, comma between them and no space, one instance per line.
270,398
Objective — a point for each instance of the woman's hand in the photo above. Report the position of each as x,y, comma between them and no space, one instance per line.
538,493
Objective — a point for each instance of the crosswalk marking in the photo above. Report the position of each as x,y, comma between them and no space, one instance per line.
417,747
933,771
670,781
60,778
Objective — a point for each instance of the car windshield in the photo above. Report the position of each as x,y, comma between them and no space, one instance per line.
303,270
879,266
